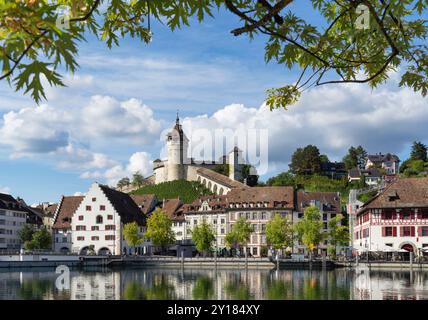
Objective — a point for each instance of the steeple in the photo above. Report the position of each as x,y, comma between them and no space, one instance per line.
177,120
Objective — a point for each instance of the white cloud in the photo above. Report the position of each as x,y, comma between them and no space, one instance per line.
331,117
139,161
5,190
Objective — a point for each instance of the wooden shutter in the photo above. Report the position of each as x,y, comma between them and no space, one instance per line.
383,231
412,231
420,231
401,231
394,231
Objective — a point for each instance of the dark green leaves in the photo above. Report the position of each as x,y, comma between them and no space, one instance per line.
30,79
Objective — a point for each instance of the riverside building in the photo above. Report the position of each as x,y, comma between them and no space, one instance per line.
395,219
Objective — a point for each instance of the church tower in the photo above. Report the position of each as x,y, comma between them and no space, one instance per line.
235,161
177,144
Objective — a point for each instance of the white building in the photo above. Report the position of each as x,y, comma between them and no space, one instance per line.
329,205
98,222
212,209
389,162
61,228
395,219
13,216
179,166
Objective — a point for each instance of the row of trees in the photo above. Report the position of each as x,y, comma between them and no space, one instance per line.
137,180
280,232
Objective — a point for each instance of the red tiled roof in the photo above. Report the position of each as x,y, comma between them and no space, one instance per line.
402,193
276,197
144,201
329,201
174,209
67,208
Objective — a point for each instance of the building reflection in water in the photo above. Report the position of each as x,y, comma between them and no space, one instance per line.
208,284
390,285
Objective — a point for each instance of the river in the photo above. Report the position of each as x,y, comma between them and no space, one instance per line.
207,284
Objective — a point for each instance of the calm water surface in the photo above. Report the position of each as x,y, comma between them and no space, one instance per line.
131,284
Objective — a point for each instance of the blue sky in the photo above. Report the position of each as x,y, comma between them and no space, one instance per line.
109,121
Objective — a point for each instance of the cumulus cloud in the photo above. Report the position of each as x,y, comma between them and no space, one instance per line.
331,117
45,128
139,161
5,190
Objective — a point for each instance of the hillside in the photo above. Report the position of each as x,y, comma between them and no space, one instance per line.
188,191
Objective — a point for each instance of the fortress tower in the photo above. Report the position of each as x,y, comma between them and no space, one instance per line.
177,144
235,161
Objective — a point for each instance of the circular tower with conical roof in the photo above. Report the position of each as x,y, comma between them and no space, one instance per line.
177,144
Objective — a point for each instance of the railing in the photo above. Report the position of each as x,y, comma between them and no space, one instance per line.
213,259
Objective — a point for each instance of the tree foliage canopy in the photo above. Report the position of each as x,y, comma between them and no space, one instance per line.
309,228
203,236
132,234
240,233
338,234
159,228
419,151
355,158
355,42
279,232
306,160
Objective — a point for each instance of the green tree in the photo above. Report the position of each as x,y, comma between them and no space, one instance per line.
137,179
222,169
203,236
309,229
355,158
279,232
355,42
41,240
159,229
338,234
239,235
124,182
282,179
306,160
419,151
26,233
132,234
324,158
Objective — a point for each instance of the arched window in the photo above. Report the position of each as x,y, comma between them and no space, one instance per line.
99,219
209,185
221,191
215,188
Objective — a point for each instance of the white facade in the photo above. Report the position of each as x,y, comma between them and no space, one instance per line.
97,223
62,240
11,221
374,232
219,223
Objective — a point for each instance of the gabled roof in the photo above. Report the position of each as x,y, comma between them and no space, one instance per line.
144,201
329,201
174,209
276,197
217,204
65,210
124,205
379,158
402,193
220,178
10,203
